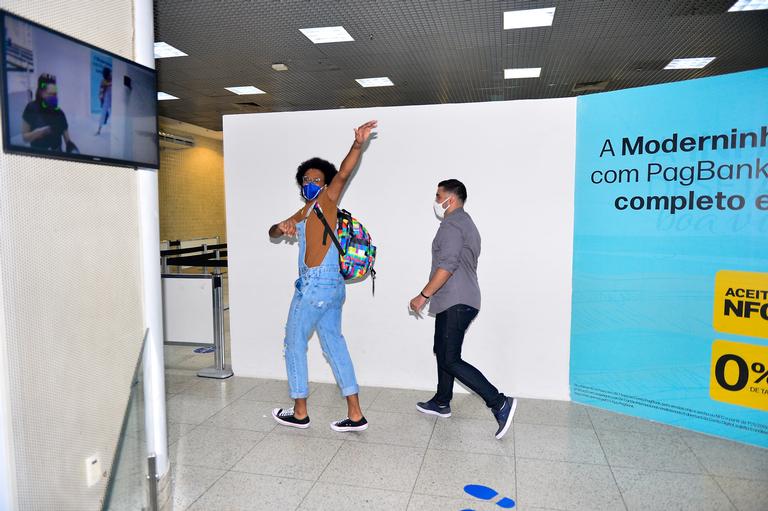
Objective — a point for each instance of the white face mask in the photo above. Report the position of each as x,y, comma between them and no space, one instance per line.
439,209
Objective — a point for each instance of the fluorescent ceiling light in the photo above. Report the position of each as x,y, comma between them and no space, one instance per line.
247,89
165,50
164,96
279,66
749,5
692,63
529,18
522,72
375,82
327,34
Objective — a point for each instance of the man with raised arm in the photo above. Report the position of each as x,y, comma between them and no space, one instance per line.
319,294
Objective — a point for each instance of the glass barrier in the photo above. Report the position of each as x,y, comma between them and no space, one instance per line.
128,487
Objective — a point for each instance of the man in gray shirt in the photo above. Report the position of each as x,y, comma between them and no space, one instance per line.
454,297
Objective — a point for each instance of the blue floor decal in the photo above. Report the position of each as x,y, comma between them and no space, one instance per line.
485,493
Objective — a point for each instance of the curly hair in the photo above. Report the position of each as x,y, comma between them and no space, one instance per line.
327,168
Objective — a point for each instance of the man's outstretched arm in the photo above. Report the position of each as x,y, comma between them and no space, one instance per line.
286,227
362,134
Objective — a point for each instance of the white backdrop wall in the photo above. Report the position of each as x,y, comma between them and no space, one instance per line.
72,315
517,161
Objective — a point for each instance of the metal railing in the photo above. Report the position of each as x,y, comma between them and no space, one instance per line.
194,256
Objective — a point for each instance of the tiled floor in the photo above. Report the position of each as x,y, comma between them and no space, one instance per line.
228,454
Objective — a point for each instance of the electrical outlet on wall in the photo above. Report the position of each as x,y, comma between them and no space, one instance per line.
93,471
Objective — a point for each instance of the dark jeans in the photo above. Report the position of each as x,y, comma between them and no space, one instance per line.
450,326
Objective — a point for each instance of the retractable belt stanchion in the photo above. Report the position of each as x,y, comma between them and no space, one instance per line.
220,370
214,260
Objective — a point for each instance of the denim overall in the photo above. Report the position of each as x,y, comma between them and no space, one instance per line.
316,305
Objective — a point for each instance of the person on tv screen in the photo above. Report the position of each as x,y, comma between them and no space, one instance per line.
44,123
105,97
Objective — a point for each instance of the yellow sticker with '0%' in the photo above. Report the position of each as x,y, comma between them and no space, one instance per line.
741,303
739,374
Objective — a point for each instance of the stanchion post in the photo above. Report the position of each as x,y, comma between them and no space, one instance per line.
220,322
152,479
220,370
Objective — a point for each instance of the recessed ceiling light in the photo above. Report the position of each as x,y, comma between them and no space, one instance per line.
165,50
749,5
692,63
244,90
279,66
327,34
529,18
375,82
522,72
164,96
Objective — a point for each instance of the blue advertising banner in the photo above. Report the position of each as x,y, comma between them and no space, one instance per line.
670,267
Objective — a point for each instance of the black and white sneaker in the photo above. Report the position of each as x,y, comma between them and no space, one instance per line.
347,424
432,408
287,418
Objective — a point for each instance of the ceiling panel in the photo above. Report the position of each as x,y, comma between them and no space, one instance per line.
435,51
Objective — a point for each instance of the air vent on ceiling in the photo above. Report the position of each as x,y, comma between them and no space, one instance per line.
173,141
701,7
590,86
248,106
650,65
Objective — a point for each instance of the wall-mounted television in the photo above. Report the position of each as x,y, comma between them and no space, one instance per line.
63,98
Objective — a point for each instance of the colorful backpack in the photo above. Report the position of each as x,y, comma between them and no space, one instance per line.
356,250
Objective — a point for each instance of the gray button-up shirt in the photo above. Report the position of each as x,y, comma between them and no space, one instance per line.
456,248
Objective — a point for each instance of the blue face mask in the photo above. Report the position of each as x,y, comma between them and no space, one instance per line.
52,101
310,191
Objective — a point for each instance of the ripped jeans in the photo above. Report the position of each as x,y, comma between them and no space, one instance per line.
316,305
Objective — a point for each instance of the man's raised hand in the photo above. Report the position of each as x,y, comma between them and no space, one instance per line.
363,133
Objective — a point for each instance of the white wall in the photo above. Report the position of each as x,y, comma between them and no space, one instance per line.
71,319
7,463
517,161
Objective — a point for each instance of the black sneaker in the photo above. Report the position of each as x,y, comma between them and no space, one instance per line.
347,424
504,416
432,408
286,418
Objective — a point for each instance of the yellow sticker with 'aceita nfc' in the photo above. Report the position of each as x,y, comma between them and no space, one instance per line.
741,303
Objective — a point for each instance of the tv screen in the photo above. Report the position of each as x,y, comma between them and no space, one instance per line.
64,98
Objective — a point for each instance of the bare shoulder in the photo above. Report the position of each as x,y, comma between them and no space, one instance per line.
326,201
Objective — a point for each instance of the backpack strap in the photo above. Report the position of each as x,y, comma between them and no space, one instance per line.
373,281
328,229
309,210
